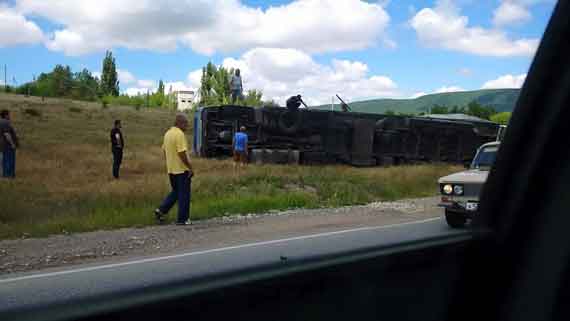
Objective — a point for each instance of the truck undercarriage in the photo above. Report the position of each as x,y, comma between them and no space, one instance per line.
279,135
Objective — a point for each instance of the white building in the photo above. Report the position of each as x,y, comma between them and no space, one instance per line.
184,99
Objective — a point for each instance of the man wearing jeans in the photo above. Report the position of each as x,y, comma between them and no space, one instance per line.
8,144
179,170
117,145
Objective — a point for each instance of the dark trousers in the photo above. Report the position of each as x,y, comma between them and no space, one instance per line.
181,192
9,163
117,160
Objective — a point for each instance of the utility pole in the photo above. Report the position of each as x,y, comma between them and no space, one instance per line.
332,103
5,78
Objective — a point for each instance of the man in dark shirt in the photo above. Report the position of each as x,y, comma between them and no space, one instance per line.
117,145
294,102
8,144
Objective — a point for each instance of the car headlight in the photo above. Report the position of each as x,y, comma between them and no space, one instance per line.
447,189
458,189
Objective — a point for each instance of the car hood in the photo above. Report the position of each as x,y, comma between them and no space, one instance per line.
470,176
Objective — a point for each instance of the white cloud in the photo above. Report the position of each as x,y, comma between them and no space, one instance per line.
418,94
443,27
505,81
15,29
281,73
194,77
142,86
176,86
510,12
146,83
125,77
207,27
448,89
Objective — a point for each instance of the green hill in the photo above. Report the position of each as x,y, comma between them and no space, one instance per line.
500,99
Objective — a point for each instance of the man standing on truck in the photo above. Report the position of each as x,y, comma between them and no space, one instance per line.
8,145
236,86
179,171
117,145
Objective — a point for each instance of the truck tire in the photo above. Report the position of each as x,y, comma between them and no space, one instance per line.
454,219
286,125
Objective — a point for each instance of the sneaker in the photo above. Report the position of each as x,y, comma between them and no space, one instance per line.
159,215
184,223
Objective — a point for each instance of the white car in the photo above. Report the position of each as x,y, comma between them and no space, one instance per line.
460,191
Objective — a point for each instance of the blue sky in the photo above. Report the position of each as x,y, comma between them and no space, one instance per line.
318,48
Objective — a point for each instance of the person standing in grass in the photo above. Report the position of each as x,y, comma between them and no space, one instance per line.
240,148
179,169
117,145
8,145
236,86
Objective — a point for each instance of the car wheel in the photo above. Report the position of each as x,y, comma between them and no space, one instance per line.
454,219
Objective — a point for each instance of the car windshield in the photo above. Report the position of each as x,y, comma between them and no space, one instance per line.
485,158
144,128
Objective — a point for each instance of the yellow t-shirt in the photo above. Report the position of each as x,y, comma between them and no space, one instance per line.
174,143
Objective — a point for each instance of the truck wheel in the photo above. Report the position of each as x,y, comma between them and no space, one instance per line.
289,122
454,219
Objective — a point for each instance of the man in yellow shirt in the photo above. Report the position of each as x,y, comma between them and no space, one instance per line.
179,169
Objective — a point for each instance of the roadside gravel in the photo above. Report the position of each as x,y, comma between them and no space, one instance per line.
114,246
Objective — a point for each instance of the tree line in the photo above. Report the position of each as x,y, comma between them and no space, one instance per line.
473,109
83,85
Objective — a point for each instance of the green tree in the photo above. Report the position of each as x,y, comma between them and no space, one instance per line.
501,118
439,109
478,110
390,112
160,89
61,81
270,103
215,86
253,98
85,86
457,110
109,78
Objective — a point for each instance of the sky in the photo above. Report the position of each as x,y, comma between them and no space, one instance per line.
316,48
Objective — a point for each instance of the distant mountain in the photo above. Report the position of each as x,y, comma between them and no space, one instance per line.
500,99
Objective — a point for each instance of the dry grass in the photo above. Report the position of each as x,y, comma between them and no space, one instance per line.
64,180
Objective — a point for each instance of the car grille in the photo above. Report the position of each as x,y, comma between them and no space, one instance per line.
472,189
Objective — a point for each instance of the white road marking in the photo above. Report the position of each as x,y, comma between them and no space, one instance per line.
155,259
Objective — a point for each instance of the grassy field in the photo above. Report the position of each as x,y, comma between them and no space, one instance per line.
64,181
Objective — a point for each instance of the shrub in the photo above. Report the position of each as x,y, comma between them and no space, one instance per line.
105,102
32,112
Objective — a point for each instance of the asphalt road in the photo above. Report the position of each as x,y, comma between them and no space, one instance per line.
115,246
128,280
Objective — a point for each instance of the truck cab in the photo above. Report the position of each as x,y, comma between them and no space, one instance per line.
460,191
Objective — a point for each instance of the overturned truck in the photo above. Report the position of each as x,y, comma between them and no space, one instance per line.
307,136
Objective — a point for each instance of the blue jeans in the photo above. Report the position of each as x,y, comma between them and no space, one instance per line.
181,189
236,94
9,162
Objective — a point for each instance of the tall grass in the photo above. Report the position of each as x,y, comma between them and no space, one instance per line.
64,181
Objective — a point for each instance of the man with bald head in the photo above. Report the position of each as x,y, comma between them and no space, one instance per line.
179,169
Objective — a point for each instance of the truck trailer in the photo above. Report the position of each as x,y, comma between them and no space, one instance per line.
310,136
